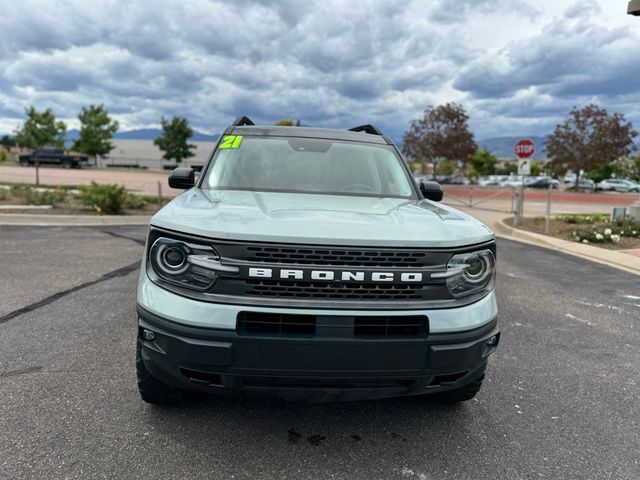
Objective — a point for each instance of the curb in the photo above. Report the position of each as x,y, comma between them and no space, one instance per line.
34,220
611,258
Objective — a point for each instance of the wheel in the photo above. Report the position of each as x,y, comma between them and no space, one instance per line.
66,164
24,163
461,394
151,389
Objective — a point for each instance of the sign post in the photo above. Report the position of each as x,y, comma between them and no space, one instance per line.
524,150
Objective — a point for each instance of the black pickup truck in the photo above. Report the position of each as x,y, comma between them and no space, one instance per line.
53,156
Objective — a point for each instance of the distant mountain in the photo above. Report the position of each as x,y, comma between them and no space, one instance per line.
502,147
145,134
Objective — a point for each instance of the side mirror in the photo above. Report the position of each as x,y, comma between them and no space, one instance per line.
182,178
431,191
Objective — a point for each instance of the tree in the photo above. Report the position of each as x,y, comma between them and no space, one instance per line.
484,162
288,122
443,132
507,168
8,141
174,138
41,129
96,131
627,167
623,167
446,167
536,168
588,138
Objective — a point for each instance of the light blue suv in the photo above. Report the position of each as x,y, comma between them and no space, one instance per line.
306,263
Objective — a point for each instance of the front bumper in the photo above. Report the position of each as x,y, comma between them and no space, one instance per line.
319,368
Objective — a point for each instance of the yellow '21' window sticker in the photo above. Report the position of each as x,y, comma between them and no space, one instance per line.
231,141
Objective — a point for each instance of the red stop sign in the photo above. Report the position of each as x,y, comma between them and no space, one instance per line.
525,148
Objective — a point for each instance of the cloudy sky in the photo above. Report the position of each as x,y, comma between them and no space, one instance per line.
517,66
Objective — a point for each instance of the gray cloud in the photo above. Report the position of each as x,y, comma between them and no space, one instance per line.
330,63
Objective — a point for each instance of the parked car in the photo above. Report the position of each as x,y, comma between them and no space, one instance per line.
307,265
618,185
512,181
583,184
491,180
542,182
52,156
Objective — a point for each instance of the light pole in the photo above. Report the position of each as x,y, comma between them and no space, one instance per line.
634,8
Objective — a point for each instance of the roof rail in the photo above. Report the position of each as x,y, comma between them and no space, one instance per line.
242,121
368,128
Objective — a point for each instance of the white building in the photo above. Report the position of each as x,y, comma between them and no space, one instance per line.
144,154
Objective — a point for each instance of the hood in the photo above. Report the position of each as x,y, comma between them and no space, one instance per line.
319,219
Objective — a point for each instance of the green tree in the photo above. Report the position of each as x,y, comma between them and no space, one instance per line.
590,138
41,129
7,141
174,139
624,167
442,132
96,131
484,162
446,167
507,168
536,168
628,167
288,122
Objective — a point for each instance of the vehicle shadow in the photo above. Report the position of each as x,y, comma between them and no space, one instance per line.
207,421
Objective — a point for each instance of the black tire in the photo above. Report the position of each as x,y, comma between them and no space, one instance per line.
25,163
66,164
462,394
151,389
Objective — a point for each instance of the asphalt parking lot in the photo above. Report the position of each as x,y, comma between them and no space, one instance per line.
562,398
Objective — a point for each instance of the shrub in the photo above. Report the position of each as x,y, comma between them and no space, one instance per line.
48,197
35,197
583,218
20,189
134,202
108,199
608,233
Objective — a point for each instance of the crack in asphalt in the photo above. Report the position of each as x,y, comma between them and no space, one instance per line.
125,237
120,272
20,371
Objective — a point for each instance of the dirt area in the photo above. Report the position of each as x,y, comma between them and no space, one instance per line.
564,230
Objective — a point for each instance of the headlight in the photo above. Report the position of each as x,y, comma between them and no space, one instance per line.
469,273
186,264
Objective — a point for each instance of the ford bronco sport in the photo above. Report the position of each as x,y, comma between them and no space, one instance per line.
306,263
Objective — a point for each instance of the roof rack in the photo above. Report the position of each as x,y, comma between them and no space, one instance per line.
242,121
368,128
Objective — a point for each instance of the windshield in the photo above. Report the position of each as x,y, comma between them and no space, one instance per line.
304,165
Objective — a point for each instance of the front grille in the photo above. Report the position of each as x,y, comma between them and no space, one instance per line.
336,257
275,324
294,325
318,290
390,326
